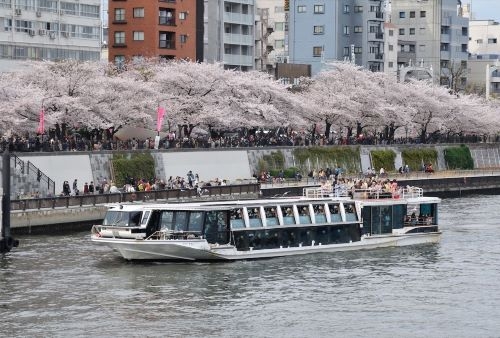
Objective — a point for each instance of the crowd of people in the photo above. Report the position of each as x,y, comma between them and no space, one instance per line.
97,141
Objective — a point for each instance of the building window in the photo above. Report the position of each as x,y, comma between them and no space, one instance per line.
358,29
412,14
279,9
412,31
347,50
465,31
391,32
279,44
402,15
301,9
119,38
412,48
358,9
319,9
492,40
139,12
423,14
391,48
391,64
346,30
119,14
183,38
479,41
347,9
401,31
319,29
317,51
182,15
138,36
279,26
358,50
120,60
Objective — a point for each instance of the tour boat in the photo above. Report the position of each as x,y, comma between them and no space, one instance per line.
264,228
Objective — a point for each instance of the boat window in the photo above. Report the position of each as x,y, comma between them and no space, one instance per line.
145,217
237,221
271,216
166,219
180,221
304,216
335,213
195,221
122,218
215,227
288,217
254,217
350,212
319,213
398,215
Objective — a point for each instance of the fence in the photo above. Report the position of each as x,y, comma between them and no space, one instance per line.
144,196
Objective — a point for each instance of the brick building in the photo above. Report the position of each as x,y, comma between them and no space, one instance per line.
171,29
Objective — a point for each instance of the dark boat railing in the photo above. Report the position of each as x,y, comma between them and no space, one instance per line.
144,196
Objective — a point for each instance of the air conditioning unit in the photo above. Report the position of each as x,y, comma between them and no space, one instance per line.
31,32
18,11
42,31
52,35
38,14
65,34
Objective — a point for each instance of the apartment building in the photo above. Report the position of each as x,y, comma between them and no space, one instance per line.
170,29
484,48
271,34
229,33
49,30
321,31
433,33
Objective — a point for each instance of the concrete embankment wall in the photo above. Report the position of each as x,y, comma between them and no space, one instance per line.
231,164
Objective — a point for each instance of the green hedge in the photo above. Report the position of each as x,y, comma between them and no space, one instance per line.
136,166
347,158
275,160
383,159
287,173
458,158
416,157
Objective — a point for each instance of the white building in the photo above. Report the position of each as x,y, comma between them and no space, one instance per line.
484,39
229,33
49,30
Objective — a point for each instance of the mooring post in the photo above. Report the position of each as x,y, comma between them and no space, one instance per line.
6,240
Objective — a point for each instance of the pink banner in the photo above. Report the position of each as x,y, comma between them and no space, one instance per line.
159,118
41,124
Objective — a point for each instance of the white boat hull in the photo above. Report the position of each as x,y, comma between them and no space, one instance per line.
199,249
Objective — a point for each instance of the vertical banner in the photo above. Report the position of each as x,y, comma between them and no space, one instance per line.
159,118
41,123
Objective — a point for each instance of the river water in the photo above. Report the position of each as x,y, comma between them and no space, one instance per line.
61,286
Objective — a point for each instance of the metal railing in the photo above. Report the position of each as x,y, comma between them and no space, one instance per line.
144,196
41,177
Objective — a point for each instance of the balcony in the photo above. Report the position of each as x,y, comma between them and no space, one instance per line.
375,36
235,59
238,18
445,55
445,38
375,57
167,44
238,39
375,16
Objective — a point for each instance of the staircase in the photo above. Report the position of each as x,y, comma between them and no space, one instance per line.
27,180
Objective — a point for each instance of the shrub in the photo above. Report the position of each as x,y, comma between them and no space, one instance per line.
383,159
136,166
458,158
416,157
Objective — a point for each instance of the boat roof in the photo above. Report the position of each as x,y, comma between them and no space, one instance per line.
225,205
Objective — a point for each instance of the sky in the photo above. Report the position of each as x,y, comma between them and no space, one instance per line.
485,9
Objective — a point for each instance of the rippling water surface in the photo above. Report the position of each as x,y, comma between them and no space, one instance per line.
61,286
